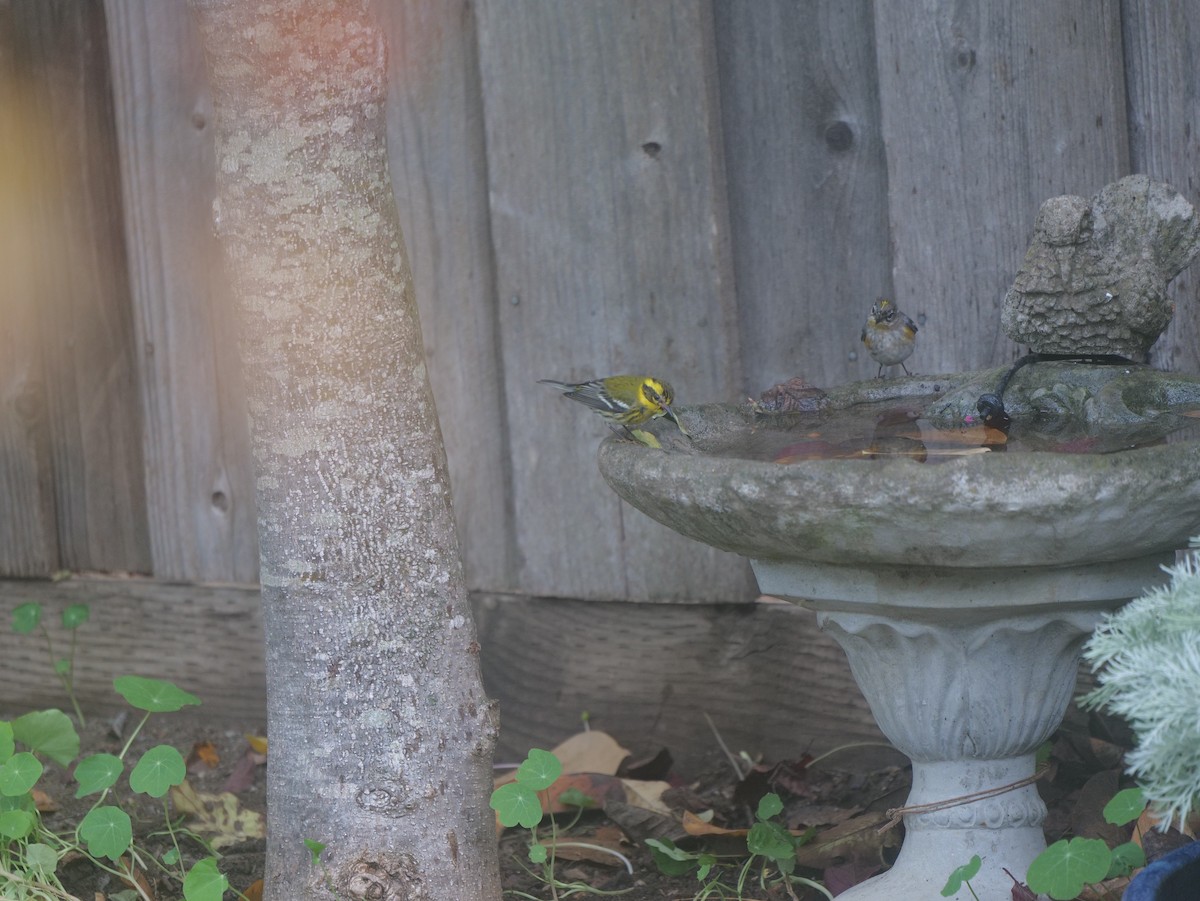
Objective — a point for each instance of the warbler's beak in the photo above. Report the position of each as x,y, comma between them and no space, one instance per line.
670,414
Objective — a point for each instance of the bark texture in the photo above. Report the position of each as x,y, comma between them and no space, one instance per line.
381,736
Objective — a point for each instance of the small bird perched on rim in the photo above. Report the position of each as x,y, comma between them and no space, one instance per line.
889,335
625,399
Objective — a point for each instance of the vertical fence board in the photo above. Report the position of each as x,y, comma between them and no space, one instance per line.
1162,44
28,536
611,247
439,175
807,185
199,480
81,290
988,109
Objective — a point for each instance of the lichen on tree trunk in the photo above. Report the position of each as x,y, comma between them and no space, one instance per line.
381,736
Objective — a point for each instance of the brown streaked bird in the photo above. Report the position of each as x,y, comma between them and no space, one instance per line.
889,335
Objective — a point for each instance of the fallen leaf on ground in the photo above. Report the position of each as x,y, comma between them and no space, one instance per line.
203,756
856,839
217,815
257,742
45,804
244,771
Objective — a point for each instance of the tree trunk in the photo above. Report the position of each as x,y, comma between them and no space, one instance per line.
381,736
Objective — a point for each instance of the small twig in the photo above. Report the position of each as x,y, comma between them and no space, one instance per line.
721,742
853,745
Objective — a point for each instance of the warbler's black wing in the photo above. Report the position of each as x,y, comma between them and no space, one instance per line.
592,393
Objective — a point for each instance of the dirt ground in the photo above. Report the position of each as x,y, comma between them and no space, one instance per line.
843,797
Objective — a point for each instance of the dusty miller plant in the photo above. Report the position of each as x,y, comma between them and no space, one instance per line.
1147,659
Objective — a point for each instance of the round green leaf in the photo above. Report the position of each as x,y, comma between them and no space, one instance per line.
1125,807
539,770
769,805
771,841
314,848
96,773
107,831
153,695
1125,859
204,882
40,858
171,857
19,774
1063,869
573,797
960,875
26,617
538,853
670,859
516,805
48,732
75,616
16,824
160,768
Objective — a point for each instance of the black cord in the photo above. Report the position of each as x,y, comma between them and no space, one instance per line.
991,406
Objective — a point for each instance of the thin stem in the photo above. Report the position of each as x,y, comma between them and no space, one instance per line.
617,854
737,769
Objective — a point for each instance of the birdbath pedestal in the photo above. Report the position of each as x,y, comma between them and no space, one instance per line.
967,671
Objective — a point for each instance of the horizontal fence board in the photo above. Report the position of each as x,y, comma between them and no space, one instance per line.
208,639
647,673
1162,44
988,110
439,175
611,248
199,472
807,185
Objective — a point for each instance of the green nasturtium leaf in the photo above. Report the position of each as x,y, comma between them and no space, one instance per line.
75,616
769,805
96,773
159,768
539,770
204,882
48,732
1125,807
153,695
19,774
1063,869
26,617
960,875
516,805
16,824
107,831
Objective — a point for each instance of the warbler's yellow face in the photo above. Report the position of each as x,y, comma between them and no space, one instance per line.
657,395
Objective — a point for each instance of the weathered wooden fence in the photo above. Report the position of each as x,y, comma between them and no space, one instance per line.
711,190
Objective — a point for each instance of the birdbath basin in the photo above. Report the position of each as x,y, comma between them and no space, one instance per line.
960,590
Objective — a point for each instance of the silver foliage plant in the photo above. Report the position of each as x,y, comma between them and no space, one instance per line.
1147,660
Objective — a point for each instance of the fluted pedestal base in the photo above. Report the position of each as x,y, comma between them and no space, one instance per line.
967,671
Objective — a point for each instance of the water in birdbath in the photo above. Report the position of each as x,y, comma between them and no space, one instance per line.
887,430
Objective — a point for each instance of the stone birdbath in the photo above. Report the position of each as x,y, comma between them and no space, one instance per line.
963,590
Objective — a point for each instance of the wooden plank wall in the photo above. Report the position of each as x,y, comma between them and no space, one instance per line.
712,190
